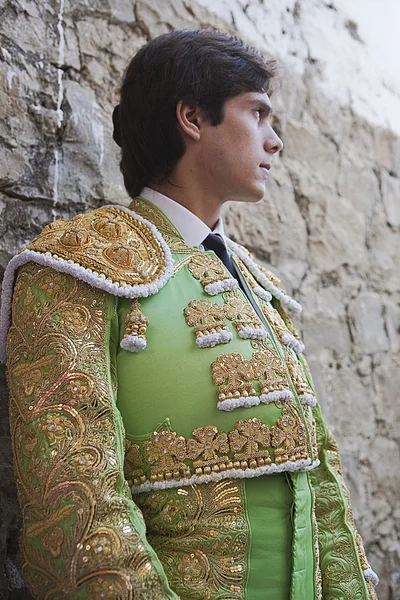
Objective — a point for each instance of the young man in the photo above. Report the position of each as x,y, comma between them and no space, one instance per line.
148,327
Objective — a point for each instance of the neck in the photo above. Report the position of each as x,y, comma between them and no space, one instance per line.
185,188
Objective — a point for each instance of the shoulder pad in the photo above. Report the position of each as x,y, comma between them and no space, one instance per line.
111,248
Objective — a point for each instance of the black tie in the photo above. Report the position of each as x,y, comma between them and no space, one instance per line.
215,242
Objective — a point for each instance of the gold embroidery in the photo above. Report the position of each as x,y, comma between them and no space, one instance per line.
79,536
270,371
108,242
297,374
207,319
250,435
341,565
249,445
201,536
241,313
149,211
274,319
136,322
289,438
317,568
208,269
234,376
207,442
166,453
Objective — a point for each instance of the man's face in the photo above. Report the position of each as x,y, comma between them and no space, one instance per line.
236,155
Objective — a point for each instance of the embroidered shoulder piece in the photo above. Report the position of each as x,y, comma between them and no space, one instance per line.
265,278
111,248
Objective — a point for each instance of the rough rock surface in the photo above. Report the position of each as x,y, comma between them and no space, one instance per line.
329,224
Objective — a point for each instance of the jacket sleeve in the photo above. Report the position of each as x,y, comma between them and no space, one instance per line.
83,537
345,571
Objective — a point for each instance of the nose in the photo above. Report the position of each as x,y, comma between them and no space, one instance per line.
273,142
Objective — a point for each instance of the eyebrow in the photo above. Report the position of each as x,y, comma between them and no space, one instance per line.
262,104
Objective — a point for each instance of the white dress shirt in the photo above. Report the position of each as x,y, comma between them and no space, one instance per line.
192,229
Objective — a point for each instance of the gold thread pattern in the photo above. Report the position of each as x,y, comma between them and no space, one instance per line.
136,324
80,526
201,536
166,457
342,560
108,242
235,376
208,269
242,315
208,321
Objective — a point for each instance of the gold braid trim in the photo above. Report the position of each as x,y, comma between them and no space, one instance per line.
110,243
83,537
342,557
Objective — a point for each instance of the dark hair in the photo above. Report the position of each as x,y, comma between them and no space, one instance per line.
203,68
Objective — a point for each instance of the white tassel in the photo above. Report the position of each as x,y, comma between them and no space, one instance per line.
289,340
370,575
277,396
242,402
261,293
252,333
133,343
308,399
225,285
213,339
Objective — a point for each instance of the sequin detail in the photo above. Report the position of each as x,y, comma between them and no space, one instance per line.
236,379
81,530
250,449
201,536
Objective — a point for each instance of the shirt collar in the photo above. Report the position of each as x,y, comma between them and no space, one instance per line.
191,228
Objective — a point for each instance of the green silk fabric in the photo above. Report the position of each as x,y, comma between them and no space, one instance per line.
169,385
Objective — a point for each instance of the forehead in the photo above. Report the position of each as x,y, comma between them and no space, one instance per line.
249,99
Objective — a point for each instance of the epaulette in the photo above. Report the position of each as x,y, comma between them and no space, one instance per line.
111,248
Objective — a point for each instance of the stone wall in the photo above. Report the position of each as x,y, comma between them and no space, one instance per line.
329,224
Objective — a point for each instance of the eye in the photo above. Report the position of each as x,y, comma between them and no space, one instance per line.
259,112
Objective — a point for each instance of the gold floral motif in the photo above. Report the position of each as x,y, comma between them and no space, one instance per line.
234,376
207,268
205,317
249,445
269,370
289,438
241,313
166,453
208,442
201,536
78,531
91,241
250,435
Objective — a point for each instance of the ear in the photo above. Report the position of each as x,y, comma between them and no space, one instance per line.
190,119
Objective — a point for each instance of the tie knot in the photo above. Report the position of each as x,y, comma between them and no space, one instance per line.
214,241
